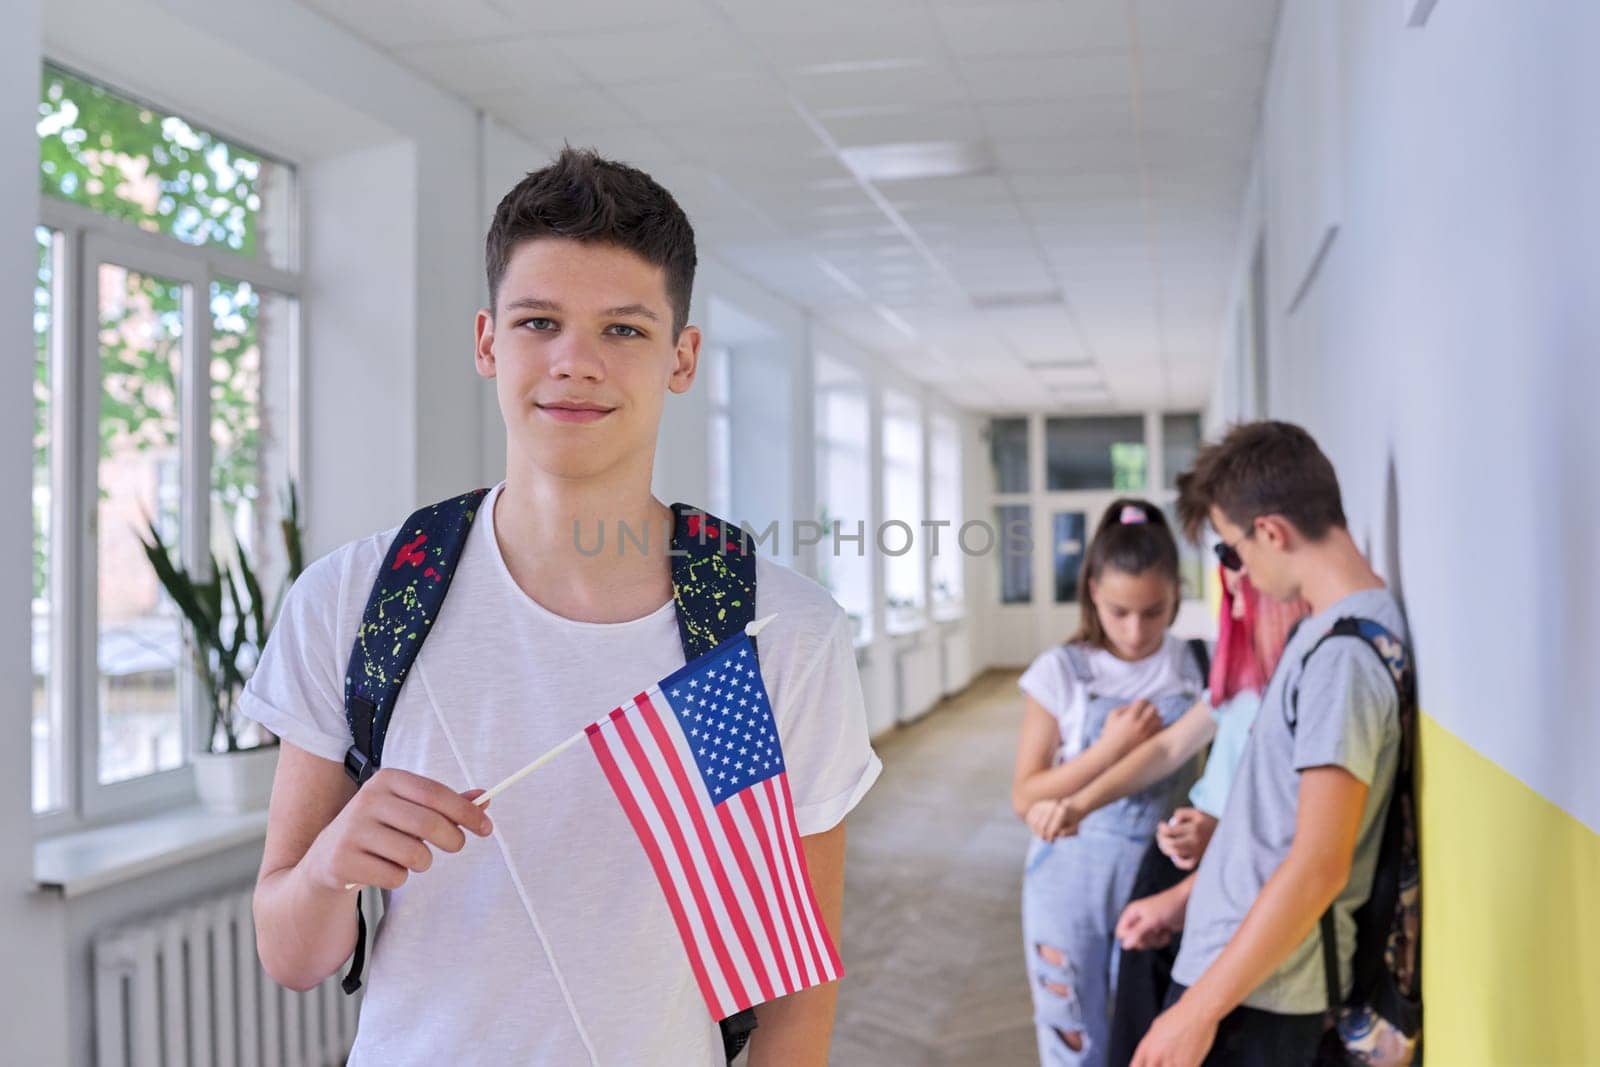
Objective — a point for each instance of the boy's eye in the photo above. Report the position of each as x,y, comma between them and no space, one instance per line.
623,330
538,323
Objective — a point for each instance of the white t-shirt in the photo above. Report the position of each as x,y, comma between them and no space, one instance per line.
530,947
1050,680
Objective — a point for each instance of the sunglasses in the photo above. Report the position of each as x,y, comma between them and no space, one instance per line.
1228,555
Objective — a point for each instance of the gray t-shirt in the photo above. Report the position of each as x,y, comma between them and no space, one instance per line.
1349,717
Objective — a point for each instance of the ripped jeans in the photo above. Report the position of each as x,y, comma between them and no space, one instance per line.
1073,892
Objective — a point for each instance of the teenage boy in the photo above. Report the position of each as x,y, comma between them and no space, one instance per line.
530,947
1302,826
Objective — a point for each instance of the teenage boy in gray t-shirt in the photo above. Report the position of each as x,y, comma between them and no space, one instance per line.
1301,829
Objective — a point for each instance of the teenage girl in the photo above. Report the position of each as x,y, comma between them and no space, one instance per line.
1089,702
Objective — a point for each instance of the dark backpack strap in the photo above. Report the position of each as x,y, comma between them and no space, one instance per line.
405,601
1390,650
714,589
1202,658
713,579
1330,960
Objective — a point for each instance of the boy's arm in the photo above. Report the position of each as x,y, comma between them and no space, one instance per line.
1146,765
796,1029
1035,779
1327,820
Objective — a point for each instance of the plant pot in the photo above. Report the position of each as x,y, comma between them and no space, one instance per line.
234,782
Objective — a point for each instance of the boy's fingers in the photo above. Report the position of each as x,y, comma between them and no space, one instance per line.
446,801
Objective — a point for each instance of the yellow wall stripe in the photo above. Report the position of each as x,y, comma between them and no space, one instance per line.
1511,915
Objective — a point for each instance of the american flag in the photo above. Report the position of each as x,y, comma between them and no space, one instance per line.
696,764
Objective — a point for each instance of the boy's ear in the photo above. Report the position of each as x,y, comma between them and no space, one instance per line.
483,348
686,360
1277,531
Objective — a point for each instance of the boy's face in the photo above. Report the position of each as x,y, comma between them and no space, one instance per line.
1263,546
582,350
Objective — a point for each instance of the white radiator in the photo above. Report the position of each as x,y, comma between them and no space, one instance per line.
957,660
186,989
919,680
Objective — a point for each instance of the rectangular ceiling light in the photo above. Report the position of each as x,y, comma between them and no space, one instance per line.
1085,377
929,159
1018,299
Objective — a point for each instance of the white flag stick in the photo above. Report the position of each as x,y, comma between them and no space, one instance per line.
530,768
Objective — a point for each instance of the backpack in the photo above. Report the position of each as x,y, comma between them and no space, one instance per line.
713,585
1380,1023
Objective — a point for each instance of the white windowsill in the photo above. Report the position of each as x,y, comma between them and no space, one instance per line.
90,860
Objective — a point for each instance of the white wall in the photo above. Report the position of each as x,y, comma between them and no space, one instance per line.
1444,354
33,981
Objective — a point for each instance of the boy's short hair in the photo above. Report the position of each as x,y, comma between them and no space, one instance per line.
585,197
1262,468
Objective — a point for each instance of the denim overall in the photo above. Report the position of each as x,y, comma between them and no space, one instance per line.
1074,888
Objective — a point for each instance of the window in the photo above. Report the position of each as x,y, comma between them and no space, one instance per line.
944,448
1068,543
1180,443
1008,451
1095,453
165,330
904,572
844,490
128,161
1014,550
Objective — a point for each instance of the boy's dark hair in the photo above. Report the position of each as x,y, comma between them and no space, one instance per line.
1133,537
1262,468
584,197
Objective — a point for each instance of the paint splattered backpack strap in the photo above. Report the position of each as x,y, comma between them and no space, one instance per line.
713,579
405,601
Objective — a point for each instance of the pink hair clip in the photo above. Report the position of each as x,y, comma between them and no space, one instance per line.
1132,514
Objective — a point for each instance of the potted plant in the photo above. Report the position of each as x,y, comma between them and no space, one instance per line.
228,618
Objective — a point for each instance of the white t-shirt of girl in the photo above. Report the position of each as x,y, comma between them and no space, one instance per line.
539,945
1050,680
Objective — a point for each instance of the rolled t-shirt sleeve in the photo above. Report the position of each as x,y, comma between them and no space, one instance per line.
823,726
1050,681
297,689
1347,711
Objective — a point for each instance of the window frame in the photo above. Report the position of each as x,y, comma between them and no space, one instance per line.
88,239
831,446
912,468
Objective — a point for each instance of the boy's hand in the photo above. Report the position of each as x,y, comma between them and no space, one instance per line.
1180,1037
382,835
1129,725
1041,815
1152,921
1069,813
1050,819
1185,836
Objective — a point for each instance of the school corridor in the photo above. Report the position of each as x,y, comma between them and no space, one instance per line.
970,279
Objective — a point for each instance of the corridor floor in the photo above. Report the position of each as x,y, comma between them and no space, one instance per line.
932,941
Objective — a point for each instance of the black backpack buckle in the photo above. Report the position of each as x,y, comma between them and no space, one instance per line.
358,766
